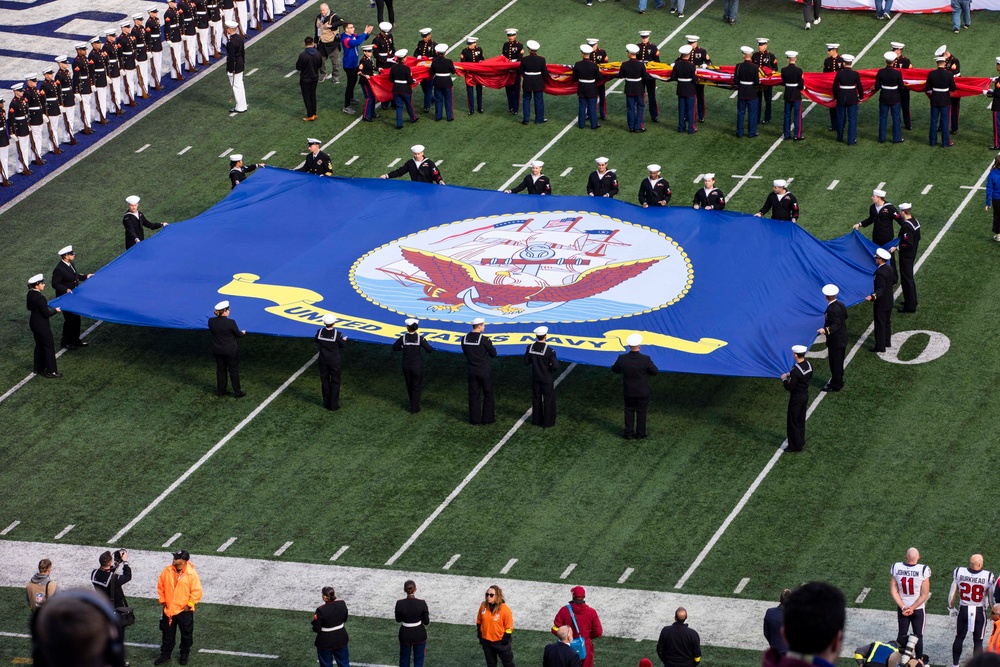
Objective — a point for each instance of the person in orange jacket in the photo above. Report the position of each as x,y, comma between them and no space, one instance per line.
179,590
588,624
495,628
994,644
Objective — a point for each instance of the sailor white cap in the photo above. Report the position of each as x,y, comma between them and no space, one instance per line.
905,206
941,50
708,176
883,253
138,17
472,39
889,56
645,33
940,59
235,157
35,279
586,50
478,321
830,290
878,193
592,41
799,349
532,45
653,167
110,31
419,148
541,331
152,9
601,160
132,199
746,50
537,163
441,48
897,45
312,140
632,48
832,47
125,24
425,31
385,26
61,59
763,40
684,50
401,53
998,61
232,24
68,250
780,183
222,305
410,321
691,38
791,54
17,86
511,31
80,45
31,77
848,58
48,70
634,340
329,318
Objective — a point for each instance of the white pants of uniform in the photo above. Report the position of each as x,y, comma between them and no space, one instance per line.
253,13
267,8
176,58
132,79
203,44
241,5
24,143
115,84
279,7
101,95
74,122
143,67
190,49
156,63
239,93
52,132
36,134
217,33
4,157
87,112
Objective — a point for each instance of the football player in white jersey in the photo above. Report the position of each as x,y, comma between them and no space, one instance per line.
910,588
972,590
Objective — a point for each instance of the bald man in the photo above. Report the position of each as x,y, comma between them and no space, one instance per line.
971,590
679,645
910,588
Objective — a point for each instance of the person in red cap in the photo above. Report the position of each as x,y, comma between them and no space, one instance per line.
645,662
583,619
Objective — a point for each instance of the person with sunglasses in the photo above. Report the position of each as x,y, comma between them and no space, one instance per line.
495,627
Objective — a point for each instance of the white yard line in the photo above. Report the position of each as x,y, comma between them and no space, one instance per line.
239,654
351,161
880,186
210,453
566,171
10,528
819,399
568,571
833,184
479,166
451,561
62,533
252,71
468,478
340,552
394,163
142,148
291,74
506,568
21,635
740,586
173,538
927,188
283,548
698,178
225,545
226,152
268,156
185,150
10,392
861,597
625,575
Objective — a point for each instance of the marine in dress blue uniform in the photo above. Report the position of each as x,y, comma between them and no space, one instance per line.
791,77
746,76
473,53
889,83
848,91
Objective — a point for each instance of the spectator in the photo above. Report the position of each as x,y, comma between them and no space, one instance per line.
993,646
774,618
77,629
495,628
960,10
328,35
560,653
309,66
582,620
814,625
679,645
108,582
179,590
331,637
412,615
41,587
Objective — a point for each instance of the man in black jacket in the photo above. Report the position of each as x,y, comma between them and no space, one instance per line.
686,76
906,249
679,645
309,64
235,62
881,214
889,81
533,72
781,203
535,183
835,329
421,169
41,329
401,77
791,76
134,221
635,369
544,365
410,344
317,162
939,85
65,279
746,75
560,653
882,298
654,191
774,618
108,579
328,624
848,91
587,74
602,182
478,349
796,383
442,69
330,342
227,360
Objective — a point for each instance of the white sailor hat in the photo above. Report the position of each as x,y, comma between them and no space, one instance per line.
592,41
235,157
61,59
941,50
998,61
48,70
138,17
478,321
132,199
400,53
125,24
746,50
152,9
532,45
653,167
684,49
232,24
832,47
511,31
799,349
897,45
79,46
68,250
425,31
441,48
601,160
537,163
940,59
17,86
419,148
312,140
410,321
763,40
222,305
635,340
385,26
848,58
691,39
645,33
541,331
632,48
95,40
367,47
329,318
791,54
830,290
586,50
878,193
708,176
471,39
35,279
780,183
905,206
31,77
110,32
883,253
889,56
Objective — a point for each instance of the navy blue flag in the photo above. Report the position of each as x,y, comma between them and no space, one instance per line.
710,292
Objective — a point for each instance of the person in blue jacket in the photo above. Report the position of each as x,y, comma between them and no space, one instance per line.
351,41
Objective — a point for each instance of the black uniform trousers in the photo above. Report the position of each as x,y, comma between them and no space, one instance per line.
184,621
654,108
380,5
911,625
352,81
481,410
493,650
635,416
309,96
71,329
904,101
906,281
414,378
329,377
227,363
795,428
45,349
543,404
478,89
764,99
995,204
883,328
837,355
978,623
514,95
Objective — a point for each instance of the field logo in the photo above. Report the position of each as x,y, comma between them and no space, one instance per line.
556,266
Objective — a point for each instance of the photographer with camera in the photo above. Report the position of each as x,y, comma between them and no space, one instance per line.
890,654
108,579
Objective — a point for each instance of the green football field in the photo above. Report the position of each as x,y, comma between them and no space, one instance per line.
133,436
